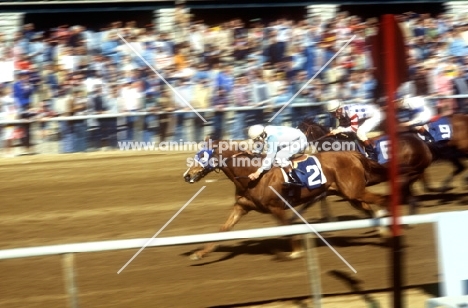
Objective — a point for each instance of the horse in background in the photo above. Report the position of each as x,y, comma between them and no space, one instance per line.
450,142
414,156
345,172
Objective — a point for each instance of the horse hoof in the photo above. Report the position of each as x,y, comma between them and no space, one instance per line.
288,256
381,213
430,190
384,233
296,255
444,189
196,256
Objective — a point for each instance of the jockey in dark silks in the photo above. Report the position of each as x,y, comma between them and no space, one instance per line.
357,118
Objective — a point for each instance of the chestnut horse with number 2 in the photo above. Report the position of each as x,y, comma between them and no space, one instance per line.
346,172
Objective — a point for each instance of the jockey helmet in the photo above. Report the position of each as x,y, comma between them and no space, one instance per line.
255,131
334,105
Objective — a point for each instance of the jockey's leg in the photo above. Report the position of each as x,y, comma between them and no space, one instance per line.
368,146
424,131
282,160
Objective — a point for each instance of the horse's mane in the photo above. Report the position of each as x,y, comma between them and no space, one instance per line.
249,155
308,122
239,153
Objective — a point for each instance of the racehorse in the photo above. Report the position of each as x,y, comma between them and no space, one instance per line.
454,129
346,172
414,156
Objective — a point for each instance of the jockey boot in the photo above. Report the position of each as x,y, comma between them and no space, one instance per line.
292,188
427,136
371,154
293,182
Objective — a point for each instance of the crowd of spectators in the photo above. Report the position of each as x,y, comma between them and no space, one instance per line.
72,70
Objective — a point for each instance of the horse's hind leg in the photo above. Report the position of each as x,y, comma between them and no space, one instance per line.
369,211
377,199
361,198
425,183
459,168
236,214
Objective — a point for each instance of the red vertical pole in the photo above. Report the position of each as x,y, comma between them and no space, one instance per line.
389,27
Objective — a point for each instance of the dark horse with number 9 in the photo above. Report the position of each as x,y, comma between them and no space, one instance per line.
346,172
451,144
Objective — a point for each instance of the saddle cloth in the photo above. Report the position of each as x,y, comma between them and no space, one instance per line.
308,171
440,129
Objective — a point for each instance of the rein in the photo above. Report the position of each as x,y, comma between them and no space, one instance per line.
217,169
324,136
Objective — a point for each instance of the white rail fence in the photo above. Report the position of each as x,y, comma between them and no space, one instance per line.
68,250
210,237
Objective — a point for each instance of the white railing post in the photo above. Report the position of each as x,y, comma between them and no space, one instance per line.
313,269
68,267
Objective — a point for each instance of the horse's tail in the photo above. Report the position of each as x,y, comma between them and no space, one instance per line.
375,172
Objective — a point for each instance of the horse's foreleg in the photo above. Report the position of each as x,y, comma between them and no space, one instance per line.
325,209
323,204
236,214
412,200
296,244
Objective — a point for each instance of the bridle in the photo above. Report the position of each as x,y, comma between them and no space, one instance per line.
209,166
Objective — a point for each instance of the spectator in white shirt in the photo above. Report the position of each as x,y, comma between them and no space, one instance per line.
132,101
182,97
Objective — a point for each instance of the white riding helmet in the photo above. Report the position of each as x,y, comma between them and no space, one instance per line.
255,131
413,102
334,105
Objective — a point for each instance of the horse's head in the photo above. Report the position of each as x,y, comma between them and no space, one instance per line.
231,156
312,129
202,164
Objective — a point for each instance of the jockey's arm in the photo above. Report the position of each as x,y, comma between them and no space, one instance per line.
347,129
342,129
272,147
267,162
421,117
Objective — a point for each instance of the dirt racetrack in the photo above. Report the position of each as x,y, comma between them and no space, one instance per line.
53,199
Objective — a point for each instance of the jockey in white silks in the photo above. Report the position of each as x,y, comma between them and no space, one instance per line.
419,113
358,118
282,142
